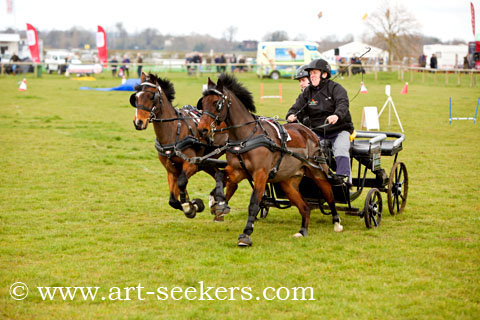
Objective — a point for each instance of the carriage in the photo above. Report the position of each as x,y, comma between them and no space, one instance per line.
366,150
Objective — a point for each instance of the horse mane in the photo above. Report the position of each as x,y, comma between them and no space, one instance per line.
166,85
230,83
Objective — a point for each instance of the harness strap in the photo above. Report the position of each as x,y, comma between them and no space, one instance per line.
250,178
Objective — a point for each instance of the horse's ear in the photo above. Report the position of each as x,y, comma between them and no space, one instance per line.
143,76
220,85
211,84
200,104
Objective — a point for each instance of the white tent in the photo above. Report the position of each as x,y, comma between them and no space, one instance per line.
356,48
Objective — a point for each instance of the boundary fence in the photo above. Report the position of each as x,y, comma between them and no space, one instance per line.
404,73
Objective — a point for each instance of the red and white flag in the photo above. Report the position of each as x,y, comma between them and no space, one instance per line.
9,6
32,39
473,18
102,46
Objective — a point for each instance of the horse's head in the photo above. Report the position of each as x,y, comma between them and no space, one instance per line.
220,100
215,104
149,99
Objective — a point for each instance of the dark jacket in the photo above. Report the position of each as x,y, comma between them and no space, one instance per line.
325,100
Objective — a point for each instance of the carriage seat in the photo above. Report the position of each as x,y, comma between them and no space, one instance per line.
361,147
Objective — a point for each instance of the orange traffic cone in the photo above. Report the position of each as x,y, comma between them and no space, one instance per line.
23,85
405,88
363,89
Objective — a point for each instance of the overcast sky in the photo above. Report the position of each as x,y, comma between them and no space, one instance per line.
444,19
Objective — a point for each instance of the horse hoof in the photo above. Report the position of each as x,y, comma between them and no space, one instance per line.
298,235
222,209
189,210
337,227
198,204
218,219
244,241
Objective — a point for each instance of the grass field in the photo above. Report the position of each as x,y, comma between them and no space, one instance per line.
84,202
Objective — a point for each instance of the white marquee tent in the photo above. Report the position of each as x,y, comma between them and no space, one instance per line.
356,48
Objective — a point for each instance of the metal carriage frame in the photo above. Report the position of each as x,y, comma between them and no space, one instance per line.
367,150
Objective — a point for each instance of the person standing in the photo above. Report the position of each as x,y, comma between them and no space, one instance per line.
14,59
139,64
326,101
114,62
125,67
433,62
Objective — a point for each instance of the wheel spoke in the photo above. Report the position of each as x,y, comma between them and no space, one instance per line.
398,205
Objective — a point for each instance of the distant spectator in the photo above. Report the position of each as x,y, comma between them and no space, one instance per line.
188,62
140,66
466,64
223,61
114,62
217,61
233,61
433,62
422,61
125,67
14,59
241,60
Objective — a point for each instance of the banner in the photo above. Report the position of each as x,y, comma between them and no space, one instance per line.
102,46
9,6
32,39
473,18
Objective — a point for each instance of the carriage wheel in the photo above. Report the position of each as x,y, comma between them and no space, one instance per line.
372,212
263,213
397,188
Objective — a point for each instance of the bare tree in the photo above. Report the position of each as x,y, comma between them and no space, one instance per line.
394,28
276,36
230,33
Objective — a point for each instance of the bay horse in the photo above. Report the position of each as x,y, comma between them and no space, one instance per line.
256,152
177,140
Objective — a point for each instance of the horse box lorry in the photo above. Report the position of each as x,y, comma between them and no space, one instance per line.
277,59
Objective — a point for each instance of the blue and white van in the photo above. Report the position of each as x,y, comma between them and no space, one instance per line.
277,59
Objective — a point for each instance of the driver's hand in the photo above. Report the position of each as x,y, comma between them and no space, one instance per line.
332,119
292,118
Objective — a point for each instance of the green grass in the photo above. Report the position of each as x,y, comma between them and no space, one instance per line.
84,202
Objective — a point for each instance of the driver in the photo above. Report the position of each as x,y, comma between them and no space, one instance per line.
326,101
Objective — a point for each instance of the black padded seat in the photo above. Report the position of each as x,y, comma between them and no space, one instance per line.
360,148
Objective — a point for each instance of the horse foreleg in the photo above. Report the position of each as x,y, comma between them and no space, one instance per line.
290,187
218,204
190,208
260,178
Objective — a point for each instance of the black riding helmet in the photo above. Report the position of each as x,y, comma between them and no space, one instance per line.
301,73
320,64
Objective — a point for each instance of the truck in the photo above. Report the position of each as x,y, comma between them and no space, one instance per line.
276,59
56,61
448,56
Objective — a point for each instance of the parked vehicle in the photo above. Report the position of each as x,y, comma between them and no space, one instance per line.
56,61
277,59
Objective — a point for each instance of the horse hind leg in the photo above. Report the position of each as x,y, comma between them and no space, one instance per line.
290,187
174,192
327,192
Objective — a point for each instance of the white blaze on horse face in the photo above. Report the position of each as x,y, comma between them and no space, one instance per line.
138,95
